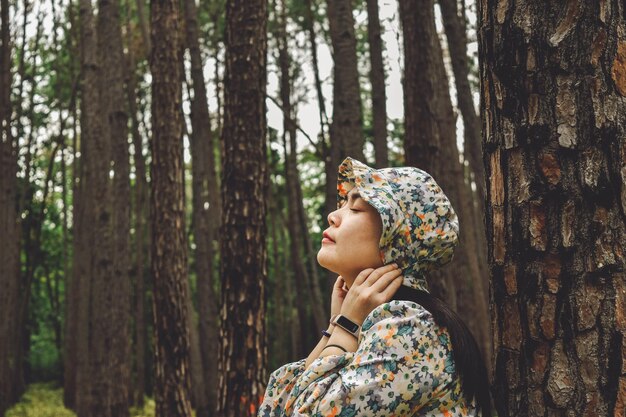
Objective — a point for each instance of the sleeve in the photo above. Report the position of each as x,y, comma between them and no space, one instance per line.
398,368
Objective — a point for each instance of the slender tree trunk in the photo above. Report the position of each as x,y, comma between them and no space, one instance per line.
462,277
310,28
554,86
205,211
9,225
423,131
94,139
140,200
78,266
242,354
347,126
292,178
116,329
143,26
279,346
457,43
377,78
169,258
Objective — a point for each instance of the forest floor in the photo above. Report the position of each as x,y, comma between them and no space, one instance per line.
46,400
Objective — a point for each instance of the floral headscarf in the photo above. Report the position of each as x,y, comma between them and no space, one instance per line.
420,227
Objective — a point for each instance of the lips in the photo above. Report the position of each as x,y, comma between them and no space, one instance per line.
327,237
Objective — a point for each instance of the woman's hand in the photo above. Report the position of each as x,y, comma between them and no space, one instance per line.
338,295
371,288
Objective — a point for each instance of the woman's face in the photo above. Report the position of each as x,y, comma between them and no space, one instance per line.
350,243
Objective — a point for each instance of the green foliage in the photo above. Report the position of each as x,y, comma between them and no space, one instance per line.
148,409
41,400
46,400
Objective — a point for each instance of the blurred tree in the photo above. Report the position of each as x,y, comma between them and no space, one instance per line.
206,214
10,367
430,144
377,79
114,298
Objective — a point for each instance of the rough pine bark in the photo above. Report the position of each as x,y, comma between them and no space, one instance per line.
9,226
346,128
554,133
242,353
205,213
116,326
377,78
169,257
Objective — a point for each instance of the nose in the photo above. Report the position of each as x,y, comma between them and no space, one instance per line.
333,218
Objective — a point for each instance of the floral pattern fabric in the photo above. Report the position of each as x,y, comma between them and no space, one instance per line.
403,367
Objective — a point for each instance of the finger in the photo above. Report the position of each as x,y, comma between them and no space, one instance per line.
362,276
385,280
379,272
392,288
339,282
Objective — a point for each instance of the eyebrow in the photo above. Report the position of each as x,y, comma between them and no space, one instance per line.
354,196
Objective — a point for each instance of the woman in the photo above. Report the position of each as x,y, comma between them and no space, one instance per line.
391,348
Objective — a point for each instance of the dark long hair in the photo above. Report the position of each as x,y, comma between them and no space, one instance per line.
468,360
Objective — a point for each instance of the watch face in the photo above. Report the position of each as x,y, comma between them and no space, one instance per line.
347,324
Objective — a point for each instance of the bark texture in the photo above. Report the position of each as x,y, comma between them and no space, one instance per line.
242,353
169,257
554,110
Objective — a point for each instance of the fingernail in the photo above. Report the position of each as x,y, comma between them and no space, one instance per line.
395,265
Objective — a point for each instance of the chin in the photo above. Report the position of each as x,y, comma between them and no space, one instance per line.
324,261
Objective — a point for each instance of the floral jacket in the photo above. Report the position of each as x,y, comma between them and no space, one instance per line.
403,367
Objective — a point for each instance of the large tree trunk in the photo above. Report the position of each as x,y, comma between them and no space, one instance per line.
347,126
554,134
205,212
116,327
9,227
242,354
377,78
169,258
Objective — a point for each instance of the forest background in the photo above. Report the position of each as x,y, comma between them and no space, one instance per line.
167,170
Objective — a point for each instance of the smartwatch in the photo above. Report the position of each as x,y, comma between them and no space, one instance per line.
346,324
